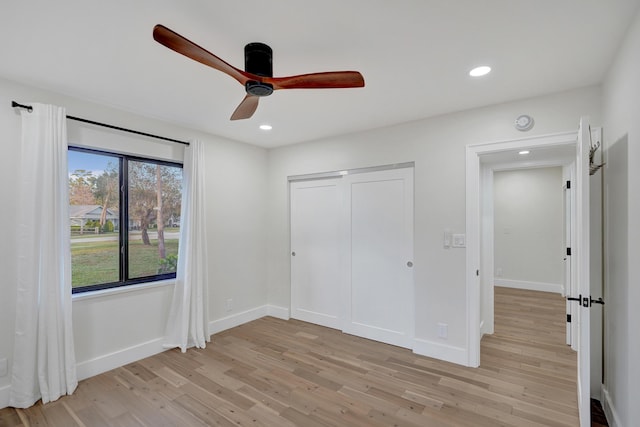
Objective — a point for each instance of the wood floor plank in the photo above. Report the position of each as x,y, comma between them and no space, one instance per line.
92,418
263,399
273,372
10,418
57,415
204,413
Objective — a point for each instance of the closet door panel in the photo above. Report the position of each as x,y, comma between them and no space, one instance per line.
380,301
317,252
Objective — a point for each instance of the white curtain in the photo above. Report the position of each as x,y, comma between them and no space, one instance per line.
188,323
44,363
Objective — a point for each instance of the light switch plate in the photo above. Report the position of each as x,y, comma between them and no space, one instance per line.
446,243
459,241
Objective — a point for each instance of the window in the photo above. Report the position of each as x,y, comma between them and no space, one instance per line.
125,219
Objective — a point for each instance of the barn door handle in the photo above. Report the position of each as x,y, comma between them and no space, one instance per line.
586,301
582,301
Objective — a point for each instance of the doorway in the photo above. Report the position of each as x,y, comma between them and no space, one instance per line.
525,216
482,161
478,257
528,223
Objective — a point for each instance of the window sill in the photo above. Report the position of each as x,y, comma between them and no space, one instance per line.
121,290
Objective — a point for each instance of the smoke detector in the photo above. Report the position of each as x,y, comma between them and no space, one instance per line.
524,122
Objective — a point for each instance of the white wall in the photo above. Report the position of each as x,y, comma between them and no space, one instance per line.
528,228
437,146
123,326
621,113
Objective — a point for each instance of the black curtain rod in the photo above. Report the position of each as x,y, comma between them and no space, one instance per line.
14,104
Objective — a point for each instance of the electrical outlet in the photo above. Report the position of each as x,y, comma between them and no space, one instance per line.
443,330
3,367
498,272
229,304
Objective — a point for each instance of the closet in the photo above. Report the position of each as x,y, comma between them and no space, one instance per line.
352,252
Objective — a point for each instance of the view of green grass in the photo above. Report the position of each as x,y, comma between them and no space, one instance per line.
97,262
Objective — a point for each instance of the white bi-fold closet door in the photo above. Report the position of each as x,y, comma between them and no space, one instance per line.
352,254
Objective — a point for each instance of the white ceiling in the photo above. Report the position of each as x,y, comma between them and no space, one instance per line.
414,55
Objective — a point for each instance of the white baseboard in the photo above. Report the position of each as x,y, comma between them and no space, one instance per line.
441,351
486,328
482,329
532,286
237,319
609,409
241,318
107,362
279,312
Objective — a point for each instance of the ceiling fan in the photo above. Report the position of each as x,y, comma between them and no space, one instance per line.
257,77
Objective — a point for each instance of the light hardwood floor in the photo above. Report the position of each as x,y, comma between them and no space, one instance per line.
289,373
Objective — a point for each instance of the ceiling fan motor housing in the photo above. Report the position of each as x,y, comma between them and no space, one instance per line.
258,60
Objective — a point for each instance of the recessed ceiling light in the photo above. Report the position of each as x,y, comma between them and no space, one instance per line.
266,127
480,71
523,152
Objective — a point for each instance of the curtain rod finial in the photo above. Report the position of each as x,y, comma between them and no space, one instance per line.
14,104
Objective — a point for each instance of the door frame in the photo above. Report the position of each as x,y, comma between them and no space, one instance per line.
479,263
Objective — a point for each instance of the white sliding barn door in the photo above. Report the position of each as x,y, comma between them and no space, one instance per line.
317,252
380,304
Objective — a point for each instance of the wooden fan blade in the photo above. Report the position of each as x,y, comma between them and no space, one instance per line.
246,108
183,46
326,80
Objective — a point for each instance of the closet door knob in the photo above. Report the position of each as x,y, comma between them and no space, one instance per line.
293,254
409,264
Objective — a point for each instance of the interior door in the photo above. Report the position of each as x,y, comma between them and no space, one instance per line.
583,271
380,220
317,252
